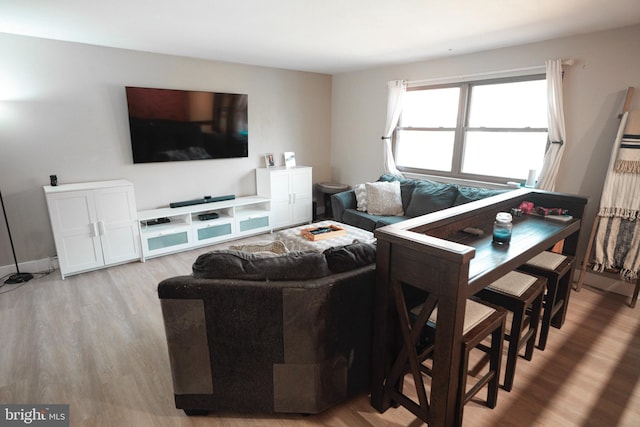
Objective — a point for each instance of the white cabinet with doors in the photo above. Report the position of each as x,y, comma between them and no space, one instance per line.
94,224
290,191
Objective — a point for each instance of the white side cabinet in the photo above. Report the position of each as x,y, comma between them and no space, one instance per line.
94,224
290,191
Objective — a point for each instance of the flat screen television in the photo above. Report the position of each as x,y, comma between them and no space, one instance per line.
172,125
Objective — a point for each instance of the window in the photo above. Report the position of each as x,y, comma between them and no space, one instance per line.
492,130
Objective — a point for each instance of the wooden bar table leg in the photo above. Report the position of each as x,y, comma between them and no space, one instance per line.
448,342
397,263
382,343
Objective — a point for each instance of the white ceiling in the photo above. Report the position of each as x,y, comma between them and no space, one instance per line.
326,36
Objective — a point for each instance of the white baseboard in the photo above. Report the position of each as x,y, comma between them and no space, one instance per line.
36,266
606,283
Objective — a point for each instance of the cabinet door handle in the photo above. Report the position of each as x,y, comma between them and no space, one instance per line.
101,228
94,229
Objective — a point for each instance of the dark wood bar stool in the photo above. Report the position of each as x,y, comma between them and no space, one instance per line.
558,270
522,295
480,321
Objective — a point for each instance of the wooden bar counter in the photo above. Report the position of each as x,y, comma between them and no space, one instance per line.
431,254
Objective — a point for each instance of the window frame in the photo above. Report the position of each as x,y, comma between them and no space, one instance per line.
461,129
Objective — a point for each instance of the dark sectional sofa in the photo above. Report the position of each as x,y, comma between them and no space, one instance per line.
289,333
419,197
286,334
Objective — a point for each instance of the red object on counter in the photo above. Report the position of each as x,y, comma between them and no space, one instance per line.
526,207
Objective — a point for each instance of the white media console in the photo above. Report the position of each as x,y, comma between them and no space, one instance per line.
185,230
284,199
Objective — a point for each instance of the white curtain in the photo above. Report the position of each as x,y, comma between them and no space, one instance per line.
396,91
557,136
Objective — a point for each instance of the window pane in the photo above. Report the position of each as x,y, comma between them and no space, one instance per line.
509,105
503,154
430,108
425,150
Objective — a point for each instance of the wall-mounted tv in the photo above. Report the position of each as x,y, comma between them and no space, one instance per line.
171,125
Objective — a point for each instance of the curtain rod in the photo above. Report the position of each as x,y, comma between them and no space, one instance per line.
489,74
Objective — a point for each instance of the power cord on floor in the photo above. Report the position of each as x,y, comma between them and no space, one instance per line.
4,287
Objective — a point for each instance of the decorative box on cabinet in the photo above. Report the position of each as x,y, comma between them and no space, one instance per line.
94,224
290,191
184,228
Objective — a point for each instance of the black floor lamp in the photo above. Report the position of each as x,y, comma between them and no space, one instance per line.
17,277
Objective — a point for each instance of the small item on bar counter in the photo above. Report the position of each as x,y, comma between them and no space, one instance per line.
502,228
550,211
526,207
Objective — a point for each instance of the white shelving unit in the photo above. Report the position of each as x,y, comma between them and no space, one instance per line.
184,230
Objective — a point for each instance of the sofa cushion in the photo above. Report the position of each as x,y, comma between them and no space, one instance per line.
388,220
387,177
349,257
359,219
367,221
230,264
406,187
361,197
431,196
383,198
470,194
360,191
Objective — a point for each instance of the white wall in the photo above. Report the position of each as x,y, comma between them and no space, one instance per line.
63,111
594,90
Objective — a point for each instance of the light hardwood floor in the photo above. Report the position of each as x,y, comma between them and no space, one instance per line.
96,341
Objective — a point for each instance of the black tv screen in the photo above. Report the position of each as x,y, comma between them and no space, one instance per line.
172,125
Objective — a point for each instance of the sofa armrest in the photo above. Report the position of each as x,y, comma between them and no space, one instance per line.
341,202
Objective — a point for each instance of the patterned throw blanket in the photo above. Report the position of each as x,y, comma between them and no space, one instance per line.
629,153
617,244
621,189
618,239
